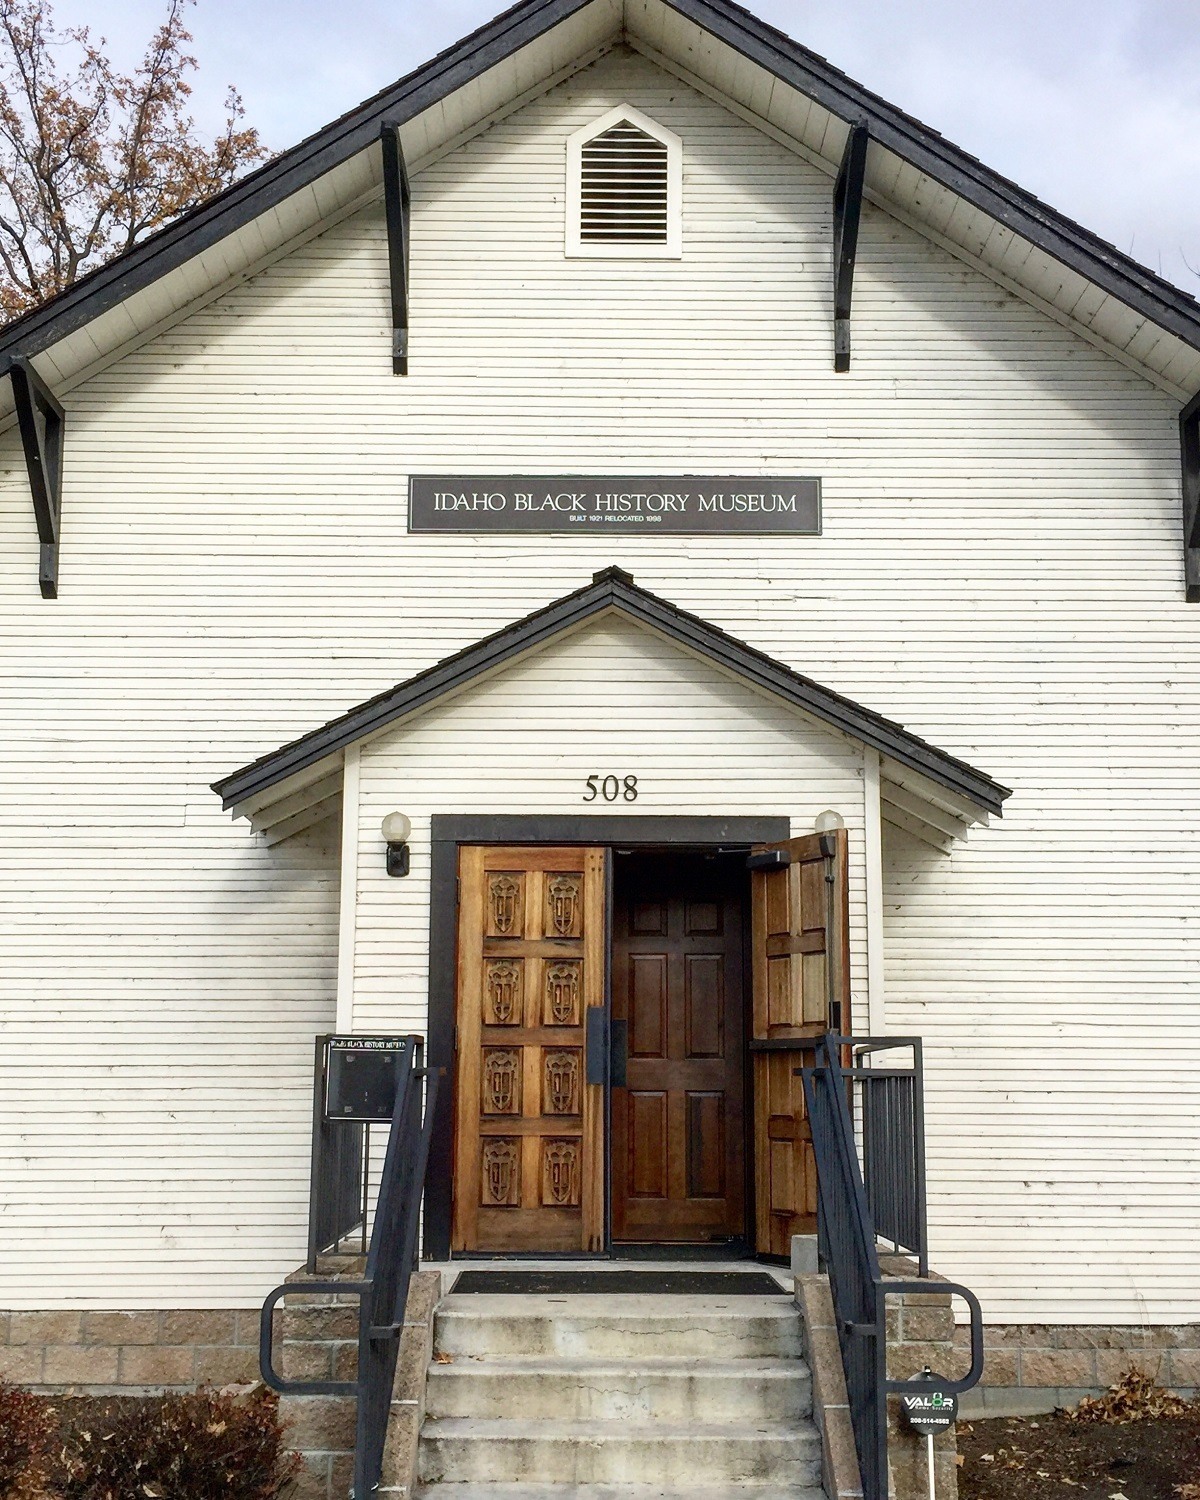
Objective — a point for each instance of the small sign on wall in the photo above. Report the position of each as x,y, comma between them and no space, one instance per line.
362,1074
685,505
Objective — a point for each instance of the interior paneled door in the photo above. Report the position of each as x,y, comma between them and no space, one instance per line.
529,1159
800,924
678,1135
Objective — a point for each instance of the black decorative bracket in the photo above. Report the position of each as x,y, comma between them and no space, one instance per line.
1189,447
847,210
42,423
396,204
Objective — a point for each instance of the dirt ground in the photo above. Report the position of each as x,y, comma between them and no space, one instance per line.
1051,1458
206,1445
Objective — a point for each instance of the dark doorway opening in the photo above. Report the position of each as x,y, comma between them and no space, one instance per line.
678,1105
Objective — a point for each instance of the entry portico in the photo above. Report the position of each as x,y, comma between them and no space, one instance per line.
621,1002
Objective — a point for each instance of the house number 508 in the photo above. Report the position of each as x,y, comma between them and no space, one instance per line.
611,788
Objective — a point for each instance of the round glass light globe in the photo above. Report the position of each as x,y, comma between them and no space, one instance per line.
828,820
396,828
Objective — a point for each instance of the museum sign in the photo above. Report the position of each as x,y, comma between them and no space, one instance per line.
682,505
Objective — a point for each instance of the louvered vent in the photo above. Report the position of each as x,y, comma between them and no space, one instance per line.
624,188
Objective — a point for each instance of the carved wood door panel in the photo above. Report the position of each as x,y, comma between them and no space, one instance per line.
529,1156
800,962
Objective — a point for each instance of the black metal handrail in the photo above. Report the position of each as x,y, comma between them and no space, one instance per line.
892,1120
382,1291
846,1237
893,1141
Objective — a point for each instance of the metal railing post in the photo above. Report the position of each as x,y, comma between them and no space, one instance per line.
383,1289
338,1172
894,1161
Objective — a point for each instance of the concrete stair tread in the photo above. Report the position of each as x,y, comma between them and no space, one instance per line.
618,1327
749,1490
605,1364
527,1430
664,1389
623,1304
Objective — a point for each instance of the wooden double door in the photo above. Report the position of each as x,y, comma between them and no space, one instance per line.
628,1028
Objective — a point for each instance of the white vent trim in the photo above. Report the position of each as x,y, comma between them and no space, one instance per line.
655,215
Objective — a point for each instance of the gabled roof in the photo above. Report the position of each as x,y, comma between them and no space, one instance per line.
978,211
609,590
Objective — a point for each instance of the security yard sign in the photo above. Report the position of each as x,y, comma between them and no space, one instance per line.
682,505
931,1412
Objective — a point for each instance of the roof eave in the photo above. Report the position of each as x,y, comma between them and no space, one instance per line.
278,179
1120,275
614,589
1135,286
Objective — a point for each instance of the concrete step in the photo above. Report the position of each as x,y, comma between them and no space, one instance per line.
463,1451
617,1492
623,1326
653,1388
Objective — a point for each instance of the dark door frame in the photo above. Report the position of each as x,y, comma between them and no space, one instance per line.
448,832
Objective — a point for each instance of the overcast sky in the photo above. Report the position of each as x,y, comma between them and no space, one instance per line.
1092,104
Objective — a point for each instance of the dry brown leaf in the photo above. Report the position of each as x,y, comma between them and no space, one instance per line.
1134,1398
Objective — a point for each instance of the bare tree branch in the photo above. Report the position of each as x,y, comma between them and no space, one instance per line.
93,160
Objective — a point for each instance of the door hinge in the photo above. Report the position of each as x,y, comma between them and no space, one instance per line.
769,859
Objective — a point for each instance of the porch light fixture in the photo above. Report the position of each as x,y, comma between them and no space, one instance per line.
396,829
828,821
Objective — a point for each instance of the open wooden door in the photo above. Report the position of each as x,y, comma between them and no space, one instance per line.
800,961
529,1128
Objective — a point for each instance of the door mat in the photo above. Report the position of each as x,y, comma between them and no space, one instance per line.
610,1283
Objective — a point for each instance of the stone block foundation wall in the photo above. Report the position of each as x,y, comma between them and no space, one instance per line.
132,1352
920,1333
1032,1368
316,1339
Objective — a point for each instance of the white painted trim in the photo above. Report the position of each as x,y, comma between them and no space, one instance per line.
348,909
576,247
873,863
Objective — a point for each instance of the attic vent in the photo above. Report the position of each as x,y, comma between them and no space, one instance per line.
624,176
623,187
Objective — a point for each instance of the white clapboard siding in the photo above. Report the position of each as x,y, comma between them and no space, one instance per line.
162,983
611,699
1000,569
